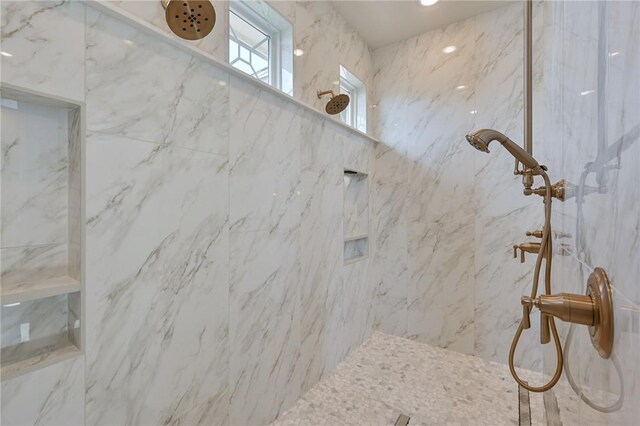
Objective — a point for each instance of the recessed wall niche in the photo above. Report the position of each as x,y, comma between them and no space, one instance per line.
356,216
41,235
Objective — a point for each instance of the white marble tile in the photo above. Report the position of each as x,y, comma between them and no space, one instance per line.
440,117
494,334
358,303
389,267
358,153
356,205
321,246
264,160
390,98
43,57
76,193
440,290
157,331
51,396
35,145
216,43
172,97
27,264
321,146
264,324
318,68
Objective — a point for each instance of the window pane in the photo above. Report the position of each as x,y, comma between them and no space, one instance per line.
254,47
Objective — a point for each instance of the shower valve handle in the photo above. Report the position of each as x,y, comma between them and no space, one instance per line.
525,247
527,304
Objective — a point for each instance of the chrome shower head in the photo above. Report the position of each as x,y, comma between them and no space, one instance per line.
190,19
337,103
481,139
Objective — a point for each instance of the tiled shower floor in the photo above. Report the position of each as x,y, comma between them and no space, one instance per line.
388,376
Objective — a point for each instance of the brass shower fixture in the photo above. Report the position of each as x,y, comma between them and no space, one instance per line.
190,19
594,310
337,103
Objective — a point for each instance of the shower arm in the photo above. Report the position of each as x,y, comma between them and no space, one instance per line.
322,93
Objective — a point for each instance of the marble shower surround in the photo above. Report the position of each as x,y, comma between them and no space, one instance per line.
203,315
446,216
318,30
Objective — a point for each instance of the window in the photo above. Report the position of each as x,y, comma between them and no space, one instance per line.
260,43
355,114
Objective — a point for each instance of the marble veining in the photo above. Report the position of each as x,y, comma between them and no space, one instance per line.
44,58
173,97
35,143
51,396
158,328
445,217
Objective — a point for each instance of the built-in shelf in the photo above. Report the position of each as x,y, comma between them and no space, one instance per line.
41,284
355,237
19,293
42,353
356,216
355,259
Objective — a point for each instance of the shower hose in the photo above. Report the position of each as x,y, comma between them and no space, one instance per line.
545,249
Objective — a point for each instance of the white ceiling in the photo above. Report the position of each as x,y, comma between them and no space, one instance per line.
382,22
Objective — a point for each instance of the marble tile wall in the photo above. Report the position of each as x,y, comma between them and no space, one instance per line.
34,224
47,60
318,29
594,118
446,216
208,201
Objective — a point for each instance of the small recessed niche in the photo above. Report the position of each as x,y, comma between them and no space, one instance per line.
356,216
41,231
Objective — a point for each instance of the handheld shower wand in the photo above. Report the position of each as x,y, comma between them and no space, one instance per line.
481,140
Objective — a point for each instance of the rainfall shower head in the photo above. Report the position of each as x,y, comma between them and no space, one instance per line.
481,139
190,19
336,104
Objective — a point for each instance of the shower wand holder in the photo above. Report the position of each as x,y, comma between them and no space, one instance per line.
594,309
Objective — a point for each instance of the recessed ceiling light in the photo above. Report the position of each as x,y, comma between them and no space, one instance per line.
10,304
449,49
462,87
428,2
298,52
586,92
7,54
473,112
616,53
129,42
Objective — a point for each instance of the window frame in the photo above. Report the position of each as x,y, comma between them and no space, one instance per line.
349,115
351,85
253,18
